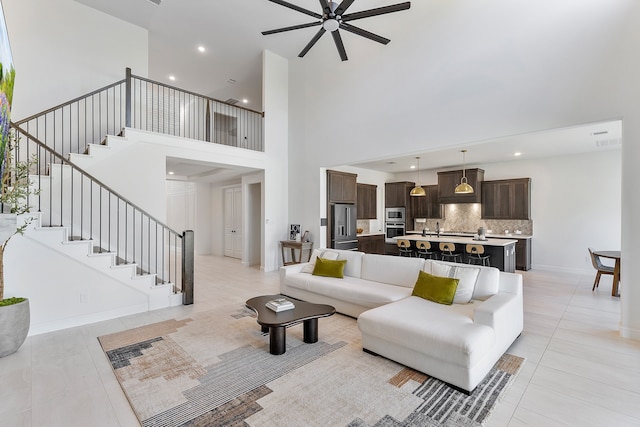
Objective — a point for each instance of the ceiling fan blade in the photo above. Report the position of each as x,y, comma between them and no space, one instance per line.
364,33
325,7
377,11
312,42
344,6
294,27
339,45
297,8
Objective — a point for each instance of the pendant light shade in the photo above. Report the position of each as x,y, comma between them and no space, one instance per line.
463,187
417,190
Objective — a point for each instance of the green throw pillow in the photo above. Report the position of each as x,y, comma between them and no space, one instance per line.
435,288
329,268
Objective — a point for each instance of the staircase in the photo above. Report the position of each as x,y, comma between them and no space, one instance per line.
82,222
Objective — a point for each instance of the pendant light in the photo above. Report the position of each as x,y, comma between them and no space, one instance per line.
418,190
463,188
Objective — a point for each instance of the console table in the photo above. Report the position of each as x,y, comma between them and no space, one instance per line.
292,245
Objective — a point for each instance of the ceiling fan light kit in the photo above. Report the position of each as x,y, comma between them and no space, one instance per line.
333,19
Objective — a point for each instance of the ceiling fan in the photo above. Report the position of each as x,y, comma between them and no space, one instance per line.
333,18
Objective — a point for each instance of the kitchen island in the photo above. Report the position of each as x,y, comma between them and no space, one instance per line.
502,251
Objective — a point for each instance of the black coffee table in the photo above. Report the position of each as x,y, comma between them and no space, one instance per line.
276,323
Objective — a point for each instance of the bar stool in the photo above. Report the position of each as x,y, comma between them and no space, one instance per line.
423,250
447,251
404,246
476,253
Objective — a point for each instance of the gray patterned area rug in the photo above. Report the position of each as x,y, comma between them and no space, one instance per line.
214,369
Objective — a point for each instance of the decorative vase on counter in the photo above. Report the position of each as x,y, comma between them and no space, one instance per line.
482,233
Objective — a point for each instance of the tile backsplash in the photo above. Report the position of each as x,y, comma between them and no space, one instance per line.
466,217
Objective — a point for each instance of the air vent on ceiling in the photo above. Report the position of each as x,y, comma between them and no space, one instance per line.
232,101
602,132
156,2
608,142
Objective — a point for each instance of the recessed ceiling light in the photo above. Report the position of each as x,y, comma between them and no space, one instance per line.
172,78
245,101
171,172
412,166
517,154
201,49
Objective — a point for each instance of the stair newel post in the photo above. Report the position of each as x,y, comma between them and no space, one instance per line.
187,267
128,91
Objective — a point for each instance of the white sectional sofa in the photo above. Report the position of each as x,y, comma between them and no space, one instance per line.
456,343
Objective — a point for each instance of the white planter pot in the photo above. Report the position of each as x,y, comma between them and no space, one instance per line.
14,327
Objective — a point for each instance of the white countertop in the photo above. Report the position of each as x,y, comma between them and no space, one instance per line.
373,233
459,239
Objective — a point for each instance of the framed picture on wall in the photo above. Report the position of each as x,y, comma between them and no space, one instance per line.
294,229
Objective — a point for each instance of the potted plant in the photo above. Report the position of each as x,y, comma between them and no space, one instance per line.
14,191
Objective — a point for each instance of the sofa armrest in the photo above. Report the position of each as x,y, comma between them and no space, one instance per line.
290,269
503,312
510,283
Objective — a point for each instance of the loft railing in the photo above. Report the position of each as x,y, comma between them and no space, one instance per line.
67,196
144,104
169,110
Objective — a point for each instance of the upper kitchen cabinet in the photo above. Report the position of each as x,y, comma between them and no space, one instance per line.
396,194
367,201
506,199
448,181
341,187
428,206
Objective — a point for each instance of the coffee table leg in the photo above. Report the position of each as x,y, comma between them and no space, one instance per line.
310,331
277,340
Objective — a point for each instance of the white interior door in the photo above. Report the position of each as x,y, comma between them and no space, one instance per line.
233,222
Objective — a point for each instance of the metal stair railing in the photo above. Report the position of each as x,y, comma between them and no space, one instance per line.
144,104
69,197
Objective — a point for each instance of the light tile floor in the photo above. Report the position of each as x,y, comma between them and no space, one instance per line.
578,370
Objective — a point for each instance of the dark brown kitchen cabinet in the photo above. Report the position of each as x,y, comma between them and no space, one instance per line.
396,194
523,254
341,187
449,180
367,200
506,199
427,206
373,244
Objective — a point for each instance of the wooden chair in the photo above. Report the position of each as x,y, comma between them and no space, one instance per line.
600,268
448,253
476,253
404,246
423,250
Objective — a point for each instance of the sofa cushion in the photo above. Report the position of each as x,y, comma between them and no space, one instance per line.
488,283
329,268
354,262
401,271
466,275
322,253
445,332
434,288
361,292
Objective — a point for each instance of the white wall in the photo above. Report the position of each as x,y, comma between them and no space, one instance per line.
453,77
275,95
54,284
63,49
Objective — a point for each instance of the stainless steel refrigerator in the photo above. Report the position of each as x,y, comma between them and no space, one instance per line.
343,229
